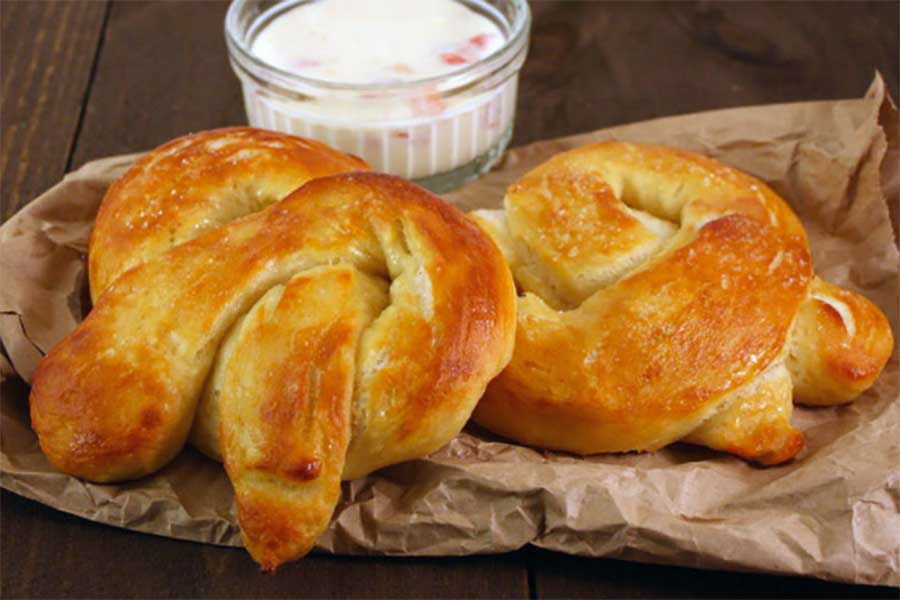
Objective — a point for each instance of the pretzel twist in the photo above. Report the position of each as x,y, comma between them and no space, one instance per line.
350,326
668,297
196,183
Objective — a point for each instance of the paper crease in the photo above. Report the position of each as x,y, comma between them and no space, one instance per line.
830,513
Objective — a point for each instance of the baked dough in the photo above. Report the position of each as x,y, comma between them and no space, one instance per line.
196,183
363,316
668,297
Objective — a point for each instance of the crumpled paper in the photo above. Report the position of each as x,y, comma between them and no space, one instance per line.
830,513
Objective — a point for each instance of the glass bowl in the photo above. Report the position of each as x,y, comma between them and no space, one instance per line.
439,131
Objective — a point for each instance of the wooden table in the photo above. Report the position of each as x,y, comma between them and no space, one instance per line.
82,80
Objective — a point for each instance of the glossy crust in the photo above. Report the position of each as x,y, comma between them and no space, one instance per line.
286,406
196,183
116,398
667,297
839,345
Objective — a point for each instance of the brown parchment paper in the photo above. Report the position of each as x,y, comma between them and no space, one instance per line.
831,513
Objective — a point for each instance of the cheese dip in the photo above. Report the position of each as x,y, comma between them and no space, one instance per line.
387,41
424,89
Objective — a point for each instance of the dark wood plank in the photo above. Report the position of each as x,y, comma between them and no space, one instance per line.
48,50
598,64
592,65
559,576
163,72
56,555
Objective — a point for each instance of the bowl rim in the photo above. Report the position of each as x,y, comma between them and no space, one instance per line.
241,54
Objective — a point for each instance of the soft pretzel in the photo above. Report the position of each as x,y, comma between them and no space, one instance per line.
191,185
350,326
668,297
196,183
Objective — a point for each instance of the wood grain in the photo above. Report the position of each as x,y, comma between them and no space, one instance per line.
47,52
162,71
56,556
598,64
559,576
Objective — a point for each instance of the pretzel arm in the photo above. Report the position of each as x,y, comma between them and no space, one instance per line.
839,344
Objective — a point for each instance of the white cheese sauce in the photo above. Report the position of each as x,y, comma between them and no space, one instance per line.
377,41
414,130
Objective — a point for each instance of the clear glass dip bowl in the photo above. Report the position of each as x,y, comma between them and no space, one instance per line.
439,131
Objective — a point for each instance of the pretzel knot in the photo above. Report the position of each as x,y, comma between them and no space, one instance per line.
352,325
668,297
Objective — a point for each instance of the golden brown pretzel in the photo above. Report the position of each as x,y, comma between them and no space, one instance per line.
196,183
668,297
193,184
363,318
